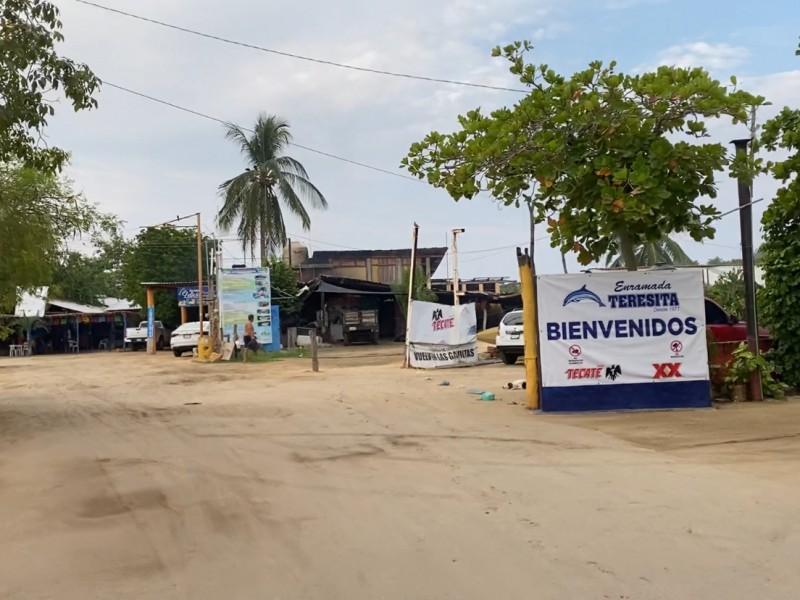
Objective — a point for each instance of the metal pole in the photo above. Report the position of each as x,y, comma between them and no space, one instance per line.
200,272
748,267
411,283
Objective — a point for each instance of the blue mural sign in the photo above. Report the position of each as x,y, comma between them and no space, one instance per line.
187,296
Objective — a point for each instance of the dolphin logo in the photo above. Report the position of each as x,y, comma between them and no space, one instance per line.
581,295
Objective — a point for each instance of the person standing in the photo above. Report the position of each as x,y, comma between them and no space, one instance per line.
249,336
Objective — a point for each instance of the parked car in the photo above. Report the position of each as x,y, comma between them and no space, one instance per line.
186,337
722,326
136,337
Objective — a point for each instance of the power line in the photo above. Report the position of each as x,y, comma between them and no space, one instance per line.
218,120
299,56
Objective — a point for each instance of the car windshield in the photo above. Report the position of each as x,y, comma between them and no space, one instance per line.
513,318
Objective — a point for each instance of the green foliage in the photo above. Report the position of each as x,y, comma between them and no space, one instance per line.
31,76
742,367
728,292
781,248
89,278
510,288
160,254
284,285
662,251
253,199
619,159
421,290
38,214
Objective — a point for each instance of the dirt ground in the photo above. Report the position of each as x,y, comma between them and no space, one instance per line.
130,476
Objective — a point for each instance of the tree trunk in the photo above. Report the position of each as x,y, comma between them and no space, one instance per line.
627,251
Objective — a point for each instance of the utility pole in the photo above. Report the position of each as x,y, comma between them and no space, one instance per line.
456,284
411,282
748,267
200,271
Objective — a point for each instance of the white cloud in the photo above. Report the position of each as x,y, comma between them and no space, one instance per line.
703,54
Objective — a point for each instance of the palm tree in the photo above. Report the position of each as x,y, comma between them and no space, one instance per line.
664,250
253,200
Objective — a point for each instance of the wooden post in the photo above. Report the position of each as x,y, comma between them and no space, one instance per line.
184,315
314,358
291,338
411,283
529,328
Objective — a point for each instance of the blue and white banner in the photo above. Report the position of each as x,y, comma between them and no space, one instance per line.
245,292
620,340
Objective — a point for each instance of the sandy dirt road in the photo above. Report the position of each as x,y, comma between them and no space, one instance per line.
370,482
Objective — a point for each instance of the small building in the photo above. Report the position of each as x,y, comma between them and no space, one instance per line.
376,266
55,325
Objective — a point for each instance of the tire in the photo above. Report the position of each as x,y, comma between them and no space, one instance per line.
507,358
375,338
177,353
160,343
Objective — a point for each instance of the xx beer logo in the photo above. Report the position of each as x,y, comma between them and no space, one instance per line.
667,370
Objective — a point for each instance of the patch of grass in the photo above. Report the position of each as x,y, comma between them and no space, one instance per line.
262,357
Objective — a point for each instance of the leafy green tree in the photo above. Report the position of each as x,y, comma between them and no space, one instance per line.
728,292
30,72
664,250
39,214
619,159
421,290
781,249
160,254
89,277
253,199
284,290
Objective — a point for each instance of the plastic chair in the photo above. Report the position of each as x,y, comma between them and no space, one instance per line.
26,349
73,346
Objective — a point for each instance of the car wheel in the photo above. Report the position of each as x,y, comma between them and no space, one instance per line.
160,344
177,353
509,359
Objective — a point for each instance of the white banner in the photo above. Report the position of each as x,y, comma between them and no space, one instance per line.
442,335
442,324
622,327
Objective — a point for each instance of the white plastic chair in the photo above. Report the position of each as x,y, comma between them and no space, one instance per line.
26,349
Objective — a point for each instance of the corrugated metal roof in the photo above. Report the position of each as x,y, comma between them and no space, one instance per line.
32,305
119,304
75,307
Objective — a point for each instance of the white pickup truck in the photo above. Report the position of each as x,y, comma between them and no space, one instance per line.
136,337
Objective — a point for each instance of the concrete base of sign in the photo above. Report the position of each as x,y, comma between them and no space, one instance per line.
632,396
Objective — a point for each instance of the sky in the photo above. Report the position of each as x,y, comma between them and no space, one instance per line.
148,163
